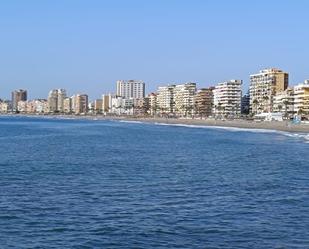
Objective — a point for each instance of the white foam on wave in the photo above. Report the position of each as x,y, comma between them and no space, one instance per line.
299,136
131,121
221,127
302,136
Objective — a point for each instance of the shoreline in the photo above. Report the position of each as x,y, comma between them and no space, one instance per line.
242,124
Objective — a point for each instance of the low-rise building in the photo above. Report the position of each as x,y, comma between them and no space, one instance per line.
284,102
301,98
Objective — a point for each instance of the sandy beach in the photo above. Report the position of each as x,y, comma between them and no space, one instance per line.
275,125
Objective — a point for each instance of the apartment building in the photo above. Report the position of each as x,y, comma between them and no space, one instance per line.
131,89
204,101
264,86
227,98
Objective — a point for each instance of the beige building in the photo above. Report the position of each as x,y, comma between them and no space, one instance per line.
204,101
301,98
18,95
22,106
152,103
165,99
263,88
67,105
227,98
56,99
184,95
98,105
81,104
4,107
284,102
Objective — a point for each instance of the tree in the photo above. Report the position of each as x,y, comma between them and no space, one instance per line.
286,102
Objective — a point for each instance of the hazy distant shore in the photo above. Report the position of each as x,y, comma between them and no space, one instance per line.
274,125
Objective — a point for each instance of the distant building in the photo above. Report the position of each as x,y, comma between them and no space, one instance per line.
301,98
245,104
41,105
184,98
81,104
67,105
131,89
263,88
204,101
116,104
4,106
106,103
152,103
18,95
141,106
22,106
165,99
61,97
227,98
56,99
98,105
52,100
284,102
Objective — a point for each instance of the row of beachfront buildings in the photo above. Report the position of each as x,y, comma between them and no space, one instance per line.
269,92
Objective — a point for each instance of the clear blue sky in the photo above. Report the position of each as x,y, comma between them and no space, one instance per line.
86,45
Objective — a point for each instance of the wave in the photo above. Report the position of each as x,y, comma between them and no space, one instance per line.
221,127
131,121
299,136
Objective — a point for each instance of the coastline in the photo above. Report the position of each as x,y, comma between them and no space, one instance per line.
242,124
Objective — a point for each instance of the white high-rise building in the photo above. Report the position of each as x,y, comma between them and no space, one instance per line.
52,100
131,89
56,100
184,95
165,99
227,98
61,97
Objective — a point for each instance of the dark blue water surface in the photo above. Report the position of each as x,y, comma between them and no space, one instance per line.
108,184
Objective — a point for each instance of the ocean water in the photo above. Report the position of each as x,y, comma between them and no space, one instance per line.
108,184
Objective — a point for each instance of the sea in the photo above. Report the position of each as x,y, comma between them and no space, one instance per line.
74,183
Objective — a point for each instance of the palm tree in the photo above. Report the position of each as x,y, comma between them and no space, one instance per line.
265,99
255,104
286,102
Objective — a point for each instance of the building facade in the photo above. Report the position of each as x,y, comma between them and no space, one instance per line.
81,104
56,99
204,101
263,88
227,98
165,99
131,89
184,95
284,102
301,98
18,95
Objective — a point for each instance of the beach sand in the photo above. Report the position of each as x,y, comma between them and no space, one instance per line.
274,125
